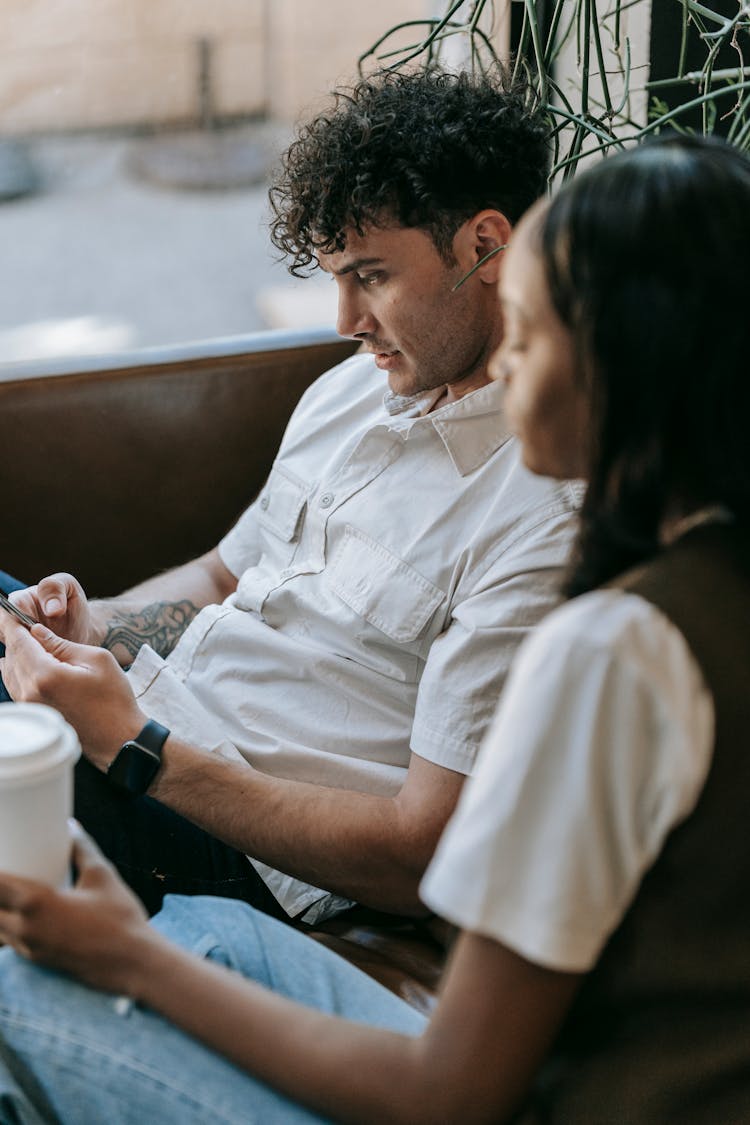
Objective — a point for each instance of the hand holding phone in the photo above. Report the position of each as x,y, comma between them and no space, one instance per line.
14,611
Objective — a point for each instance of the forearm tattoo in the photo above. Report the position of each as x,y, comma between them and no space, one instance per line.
159,625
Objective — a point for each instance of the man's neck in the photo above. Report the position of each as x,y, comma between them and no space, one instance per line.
452,392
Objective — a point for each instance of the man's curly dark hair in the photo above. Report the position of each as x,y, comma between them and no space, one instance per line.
424,149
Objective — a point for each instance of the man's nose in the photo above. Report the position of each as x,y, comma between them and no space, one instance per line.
354,317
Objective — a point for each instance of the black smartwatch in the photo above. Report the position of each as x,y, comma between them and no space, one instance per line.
138,759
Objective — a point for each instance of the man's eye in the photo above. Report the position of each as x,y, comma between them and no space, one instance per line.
369,278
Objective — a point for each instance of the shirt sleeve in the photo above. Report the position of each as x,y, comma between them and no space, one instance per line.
600,746
241,546
468,664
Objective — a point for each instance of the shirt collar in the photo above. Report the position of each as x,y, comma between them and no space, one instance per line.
471,429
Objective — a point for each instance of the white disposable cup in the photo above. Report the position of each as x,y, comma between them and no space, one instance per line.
38,750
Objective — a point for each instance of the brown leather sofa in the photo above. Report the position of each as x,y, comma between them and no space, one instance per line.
114,470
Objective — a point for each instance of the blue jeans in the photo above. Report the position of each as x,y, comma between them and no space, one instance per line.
6,585
81,1057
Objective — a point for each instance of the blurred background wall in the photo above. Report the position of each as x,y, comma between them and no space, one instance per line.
93,64
112,240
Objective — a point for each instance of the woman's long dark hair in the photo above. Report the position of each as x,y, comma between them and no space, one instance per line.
648,258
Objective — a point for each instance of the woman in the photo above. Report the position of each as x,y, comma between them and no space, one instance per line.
597,864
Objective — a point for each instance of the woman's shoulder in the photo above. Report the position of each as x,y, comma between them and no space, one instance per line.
611,620
600,746
609,637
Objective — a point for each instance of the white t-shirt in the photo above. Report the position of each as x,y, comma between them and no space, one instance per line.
601,745
386,575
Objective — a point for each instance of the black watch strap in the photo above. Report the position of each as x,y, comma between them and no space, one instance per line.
138,760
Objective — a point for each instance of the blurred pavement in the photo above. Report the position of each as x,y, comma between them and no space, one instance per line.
99,260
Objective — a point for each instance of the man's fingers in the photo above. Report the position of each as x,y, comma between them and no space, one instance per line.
67,652
25,601
54,593
17,637
36,660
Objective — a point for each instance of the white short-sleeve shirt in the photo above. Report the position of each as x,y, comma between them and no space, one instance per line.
601,745
386,575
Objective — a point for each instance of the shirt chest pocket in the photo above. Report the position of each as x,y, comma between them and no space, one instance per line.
381,587
281,508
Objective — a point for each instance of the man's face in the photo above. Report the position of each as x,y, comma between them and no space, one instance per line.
395,296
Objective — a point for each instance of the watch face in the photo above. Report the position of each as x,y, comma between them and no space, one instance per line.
134,768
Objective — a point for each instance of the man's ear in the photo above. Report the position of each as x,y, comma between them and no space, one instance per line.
486,232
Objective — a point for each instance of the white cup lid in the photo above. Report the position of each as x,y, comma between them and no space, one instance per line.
33,738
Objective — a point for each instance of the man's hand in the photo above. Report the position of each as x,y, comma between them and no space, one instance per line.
85,684
58,602
91,930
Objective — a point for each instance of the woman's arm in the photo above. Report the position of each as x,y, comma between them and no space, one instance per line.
494,1023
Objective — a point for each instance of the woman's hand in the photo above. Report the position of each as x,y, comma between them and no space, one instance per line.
96,930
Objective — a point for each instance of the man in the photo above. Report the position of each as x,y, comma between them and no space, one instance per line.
321,681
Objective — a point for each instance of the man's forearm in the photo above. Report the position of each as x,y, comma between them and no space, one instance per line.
369,848
158,611
124,627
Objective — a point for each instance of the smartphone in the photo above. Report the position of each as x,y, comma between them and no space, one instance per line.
24,618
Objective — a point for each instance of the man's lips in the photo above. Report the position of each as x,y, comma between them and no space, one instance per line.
386,360
384,357
380,349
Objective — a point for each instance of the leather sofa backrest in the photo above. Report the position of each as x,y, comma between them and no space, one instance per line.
117,472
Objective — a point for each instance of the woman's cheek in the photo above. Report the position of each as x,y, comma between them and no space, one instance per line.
513,405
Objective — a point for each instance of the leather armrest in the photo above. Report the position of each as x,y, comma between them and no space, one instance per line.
402,954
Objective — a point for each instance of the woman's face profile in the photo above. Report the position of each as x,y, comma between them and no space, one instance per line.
545,406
